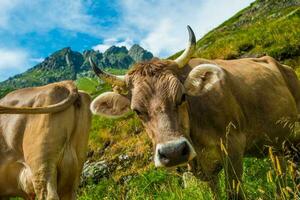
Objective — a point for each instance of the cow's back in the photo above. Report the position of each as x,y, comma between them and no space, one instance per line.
265,96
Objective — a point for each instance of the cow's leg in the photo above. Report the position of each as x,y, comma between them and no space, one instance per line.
68,182
45,183
233,151
68,196
50,136
52,187
233,178
29,197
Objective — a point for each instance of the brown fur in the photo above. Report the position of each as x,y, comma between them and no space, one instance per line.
247,110
43,154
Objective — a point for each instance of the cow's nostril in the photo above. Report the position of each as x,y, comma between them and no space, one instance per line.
185,151
162,155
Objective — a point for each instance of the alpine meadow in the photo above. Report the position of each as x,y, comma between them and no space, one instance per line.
126,172
120,154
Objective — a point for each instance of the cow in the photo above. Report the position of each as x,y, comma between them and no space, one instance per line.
198,111
43,141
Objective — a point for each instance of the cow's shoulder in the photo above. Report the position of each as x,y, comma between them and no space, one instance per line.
199,61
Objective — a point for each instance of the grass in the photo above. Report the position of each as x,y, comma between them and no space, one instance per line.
263,37
164,184
140,180
110,138
95,86
152,184
274,36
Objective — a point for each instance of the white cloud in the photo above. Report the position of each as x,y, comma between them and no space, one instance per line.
113,41
37,60
19,16
163,22
5,8
13,59
158,40
158,26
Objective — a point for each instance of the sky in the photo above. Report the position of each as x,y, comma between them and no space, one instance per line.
31,30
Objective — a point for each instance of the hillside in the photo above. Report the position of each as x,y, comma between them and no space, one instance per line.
67,64
266,27
119,164
120,161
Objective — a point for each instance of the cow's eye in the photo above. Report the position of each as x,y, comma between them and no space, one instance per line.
143,115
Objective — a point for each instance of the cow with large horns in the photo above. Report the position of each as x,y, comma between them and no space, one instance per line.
199,111
43,141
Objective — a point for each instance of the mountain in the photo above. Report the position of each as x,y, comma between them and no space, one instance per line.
139,54
67,64
266,27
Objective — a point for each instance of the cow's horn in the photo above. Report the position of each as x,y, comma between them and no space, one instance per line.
188,52
109,78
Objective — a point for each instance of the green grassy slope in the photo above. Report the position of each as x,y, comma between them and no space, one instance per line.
264,28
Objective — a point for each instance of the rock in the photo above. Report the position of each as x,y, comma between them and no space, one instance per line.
117,57
94,171
123,157
126,179
138,54
124,161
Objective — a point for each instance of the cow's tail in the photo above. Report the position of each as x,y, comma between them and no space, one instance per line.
58,107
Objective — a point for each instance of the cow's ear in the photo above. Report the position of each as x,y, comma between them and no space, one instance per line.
202,79
110,104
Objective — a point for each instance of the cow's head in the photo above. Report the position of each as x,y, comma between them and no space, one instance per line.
156,90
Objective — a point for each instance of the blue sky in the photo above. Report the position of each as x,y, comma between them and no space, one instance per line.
31,30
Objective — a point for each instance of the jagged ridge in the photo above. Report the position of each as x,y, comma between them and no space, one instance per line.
67,64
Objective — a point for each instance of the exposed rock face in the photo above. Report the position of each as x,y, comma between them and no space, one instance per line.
61,65
117,57
66,64
138,54
94,171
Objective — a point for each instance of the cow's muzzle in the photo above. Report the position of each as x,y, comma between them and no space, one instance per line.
173,153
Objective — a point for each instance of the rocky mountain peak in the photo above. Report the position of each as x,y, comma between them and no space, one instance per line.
116,50
66,64
139,54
